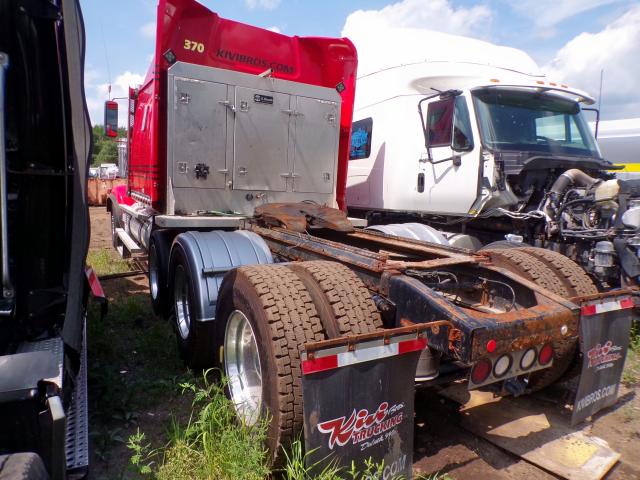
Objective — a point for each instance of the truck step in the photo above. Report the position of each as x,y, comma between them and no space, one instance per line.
77,437
54,345
127,246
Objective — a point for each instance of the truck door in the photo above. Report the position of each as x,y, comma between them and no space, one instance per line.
451,167
315,145
261,140
199,134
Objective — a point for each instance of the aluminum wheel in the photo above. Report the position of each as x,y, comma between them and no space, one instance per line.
242,366
182,300
154,279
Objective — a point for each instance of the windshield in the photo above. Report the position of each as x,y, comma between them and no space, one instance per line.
540,122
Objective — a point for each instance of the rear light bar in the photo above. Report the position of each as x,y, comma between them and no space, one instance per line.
610,306
496,368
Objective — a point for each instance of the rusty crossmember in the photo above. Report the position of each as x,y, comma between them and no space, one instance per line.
302,246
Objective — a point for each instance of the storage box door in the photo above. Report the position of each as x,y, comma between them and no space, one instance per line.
316,145
261,140
200,134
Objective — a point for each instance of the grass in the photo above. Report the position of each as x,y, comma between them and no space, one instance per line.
212,445
215,445
631,373
106,261
134,368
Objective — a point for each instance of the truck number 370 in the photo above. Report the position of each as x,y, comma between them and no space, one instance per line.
193,46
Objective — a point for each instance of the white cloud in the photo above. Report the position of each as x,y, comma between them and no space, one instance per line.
262,4
616,50
436,15
148,30
428,30
98,93
547,13
274,29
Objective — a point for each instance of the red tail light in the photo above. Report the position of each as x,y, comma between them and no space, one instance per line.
546,354
480,371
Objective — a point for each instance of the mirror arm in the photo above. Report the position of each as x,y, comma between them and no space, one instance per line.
593,109
455,159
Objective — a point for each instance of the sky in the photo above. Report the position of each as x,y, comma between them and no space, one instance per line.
569,40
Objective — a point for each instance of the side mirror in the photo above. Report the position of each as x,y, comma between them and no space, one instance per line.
111,118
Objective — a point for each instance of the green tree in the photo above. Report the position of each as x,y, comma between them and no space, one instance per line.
105,149
108,153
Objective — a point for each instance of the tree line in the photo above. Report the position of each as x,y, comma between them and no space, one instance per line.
105,149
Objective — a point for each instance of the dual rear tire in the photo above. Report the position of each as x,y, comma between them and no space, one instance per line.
266,314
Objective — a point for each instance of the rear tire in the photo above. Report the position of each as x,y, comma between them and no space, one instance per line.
503,244
344,303
549,276
517,260
196,339
282,317
575,278
22,466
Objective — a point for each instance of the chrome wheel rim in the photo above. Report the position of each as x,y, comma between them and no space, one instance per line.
182,301
153,272
242,366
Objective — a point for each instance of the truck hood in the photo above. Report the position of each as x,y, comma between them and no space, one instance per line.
515,162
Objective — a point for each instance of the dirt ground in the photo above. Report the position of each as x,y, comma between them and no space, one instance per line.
442,444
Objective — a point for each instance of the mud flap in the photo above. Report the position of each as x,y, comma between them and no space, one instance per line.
96,290
358,396
604,340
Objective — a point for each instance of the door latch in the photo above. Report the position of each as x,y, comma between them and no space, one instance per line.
228,105
201,171
185,98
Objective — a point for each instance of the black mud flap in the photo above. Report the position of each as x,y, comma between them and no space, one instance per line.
358,395
604,339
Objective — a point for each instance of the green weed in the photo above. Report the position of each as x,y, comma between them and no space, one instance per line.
106,261
213,444
134,362
631,373
298,466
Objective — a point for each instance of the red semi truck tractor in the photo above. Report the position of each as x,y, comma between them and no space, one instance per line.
238,149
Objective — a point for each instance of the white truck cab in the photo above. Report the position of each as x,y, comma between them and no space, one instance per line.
427,137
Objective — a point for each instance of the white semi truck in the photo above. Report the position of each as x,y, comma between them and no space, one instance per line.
478,153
